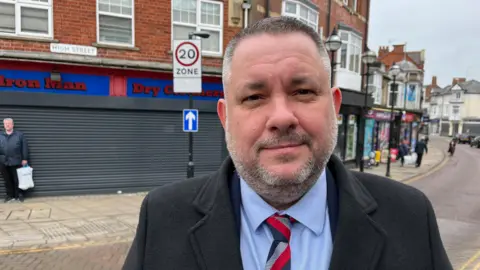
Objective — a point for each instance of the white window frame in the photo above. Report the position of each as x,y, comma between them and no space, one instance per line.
347,62
400,95
18,18
199,26
345,2
297,15
132,17
355,4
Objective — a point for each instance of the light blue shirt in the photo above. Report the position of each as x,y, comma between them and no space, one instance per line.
311,239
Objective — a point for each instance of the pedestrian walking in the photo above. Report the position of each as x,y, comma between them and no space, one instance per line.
13,155
282,199
451,147
403,151
420,149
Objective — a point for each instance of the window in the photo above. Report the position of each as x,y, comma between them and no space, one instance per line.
355,5
397,95
350,52
351,137
459,95
115,22
455,110
26,17
345,2
301,12
206,16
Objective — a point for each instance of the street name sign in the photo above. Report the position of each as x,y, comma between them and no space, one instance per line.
190,120
187,66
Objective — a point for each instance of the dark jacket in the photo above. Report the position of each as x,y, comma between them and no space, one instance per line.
382,224
421,147
13,148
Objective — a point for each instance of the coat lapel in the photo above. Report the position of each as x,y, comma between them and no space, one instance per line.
215,239
359,240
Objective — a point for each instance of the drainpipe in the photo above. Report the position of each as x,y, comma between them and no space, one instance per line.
329,17
267,8
246,6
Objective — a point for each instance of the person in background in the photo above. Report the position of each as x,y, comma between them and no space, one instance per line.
403,151
13,155
451,147
420,148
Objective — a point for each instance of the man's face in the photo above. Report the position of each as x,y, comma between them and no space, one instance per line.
8,125
281,114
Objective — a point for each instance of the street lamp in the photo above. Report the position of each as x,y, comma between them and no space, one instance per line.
369,57
190,164
394,72
332,44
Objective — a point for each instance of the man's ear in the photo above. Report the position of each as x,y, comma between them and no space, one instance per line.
222,111
337,99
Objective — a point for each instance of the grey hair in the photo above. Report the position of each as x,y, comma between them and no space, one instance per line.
274,26
7,119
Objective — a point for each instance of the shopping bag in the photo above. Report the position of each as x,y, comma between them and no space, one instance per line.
25,177
411,159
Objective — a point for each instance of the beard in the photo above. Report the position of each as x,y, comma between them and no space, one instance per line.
280,190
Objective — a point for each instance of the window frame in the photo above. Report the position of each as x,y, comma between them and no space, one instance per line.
98,12
338,54
354,5
399,102
297,15
18,4
199,26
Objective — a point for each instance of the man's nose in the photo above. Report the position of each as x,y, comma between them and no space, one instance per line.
281,117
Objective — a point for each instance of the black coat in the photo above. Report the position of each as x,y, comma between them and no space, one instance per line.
13,148
382,224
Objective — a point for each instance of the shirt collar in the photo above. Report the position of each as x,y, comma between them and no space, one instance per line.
257,210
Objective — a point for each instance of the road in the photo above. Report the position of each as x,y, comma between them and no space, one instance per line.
455,193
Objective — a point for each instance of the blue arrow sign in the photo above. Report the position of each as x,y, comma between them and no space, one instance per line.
190,120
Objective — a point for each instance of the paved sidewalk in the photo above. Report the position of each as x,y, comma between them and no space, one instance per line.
46,222
437,147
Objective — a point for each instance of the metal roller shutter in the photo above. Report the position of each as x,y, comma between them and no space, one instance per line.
84,151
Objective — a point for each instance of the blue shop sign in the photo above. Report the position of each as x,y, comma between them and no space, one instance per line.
157,88
40,82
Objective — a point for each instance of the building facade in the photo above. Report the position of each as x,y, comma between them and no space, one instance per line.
455,109
92,85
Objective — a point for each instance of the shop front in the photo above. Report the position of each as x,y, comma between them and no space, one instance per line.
93,130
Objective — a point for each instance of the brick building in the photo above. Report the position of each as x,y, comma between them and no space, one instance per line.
90,83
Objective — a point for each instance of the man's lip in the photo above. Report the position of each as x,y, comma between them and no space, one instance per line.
280,146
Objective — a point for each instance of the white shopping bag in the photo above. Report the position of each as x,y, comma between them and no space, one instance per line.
411,159
25,177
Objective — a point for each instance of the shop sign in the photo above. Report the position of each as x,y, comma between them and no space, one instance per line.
157,88
408,117
40,82
339,119
379,115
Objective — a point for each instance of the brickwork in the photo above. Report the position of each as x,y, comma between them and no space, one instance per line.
75,23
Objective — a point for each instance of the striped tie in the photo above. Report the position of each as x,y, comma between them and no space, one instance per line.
279,255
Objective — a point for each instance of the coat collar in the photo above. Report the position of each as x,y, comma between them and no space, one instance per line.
359,240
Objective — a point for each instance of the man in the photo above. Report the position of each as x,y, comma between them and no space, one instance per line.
283,201
403,151
420,148
13,155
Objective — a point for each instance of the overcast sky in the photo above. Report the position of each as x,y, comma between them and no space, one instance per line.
449,31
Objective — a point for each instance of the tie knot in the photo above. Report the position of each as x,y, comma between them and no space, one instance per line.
280,226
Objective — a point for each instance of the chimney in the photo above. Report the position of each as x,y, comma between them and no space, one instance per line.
399,48
460,80
455,81
382,51
434,81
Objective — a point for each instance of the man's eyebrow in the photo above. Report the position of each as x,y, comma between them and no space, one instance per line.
301,80
254,85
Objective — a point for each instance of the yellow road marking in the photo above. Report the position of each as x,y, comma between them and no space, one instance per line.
438,167
470,261
63,247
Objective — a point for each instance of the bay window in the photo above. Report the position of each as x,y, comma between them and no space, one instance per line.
350,52
26,18
203,15
301,12
115,23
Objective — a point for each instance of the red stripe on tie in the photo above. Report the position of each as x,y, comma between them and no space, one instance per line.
279,226
282,260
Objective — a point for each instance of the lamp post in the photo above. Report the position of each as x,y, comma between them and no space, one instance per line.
332,44
394,72
190,164
369,57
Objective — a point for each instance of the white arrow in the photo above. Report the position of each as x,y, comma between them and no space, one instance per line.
190,118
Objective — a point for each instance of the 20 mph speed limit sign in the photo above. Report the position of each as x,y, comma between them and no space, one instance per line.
187,66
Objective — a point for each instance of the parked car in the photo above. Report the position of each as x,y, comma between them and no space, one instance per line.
465,138
475,142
